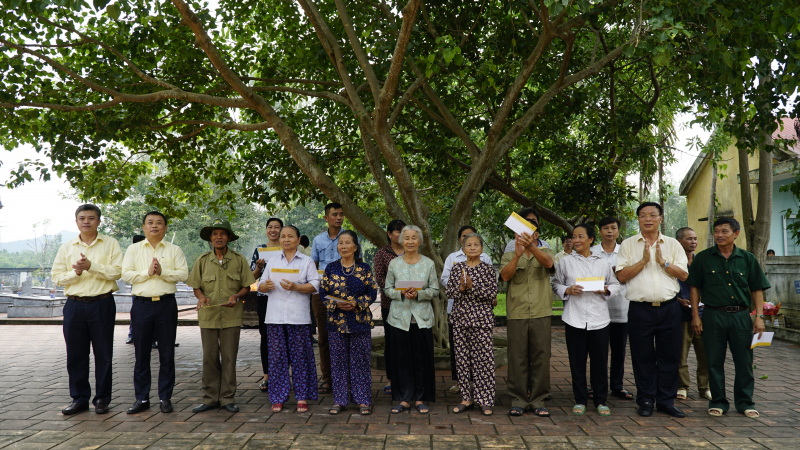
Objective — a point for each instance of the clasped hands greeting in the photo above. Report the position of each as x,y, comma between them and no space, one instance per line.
646,254
82,264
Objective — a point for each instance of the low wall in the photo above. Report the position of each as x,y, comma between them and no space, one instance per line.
782,273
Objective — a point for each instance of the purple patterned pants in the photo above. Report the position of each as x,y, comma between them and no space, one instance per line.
350,354
475,364
290,345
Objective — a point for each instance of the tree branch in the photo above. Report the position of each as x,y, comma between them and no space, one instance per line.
361,56
384,102
211,123
404,99
292,80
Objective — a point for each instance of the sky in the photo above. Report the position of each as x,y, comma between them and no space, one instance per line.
30,205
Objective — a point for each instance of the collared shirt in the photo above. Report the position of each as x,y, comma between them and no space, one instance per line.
136,265
290,307
219,281
101,278
512,245
403,309
356,284
323,249
726,282
529,292
380,265
452,260
618,304
559,256
653,283
588,310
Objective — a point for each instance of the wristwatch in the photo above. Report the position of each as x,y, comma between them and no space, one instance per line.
666,265
761,316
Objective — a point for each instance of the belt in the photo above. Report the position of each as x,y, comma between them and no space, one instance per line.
156,298
729,309
90,299
664,303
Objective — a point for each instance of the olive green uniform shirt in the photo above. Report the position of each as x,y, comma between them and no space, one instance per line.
726,282
529,293
218,282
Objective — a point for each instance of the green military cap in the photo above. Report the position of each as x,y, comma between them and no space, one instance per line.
205,233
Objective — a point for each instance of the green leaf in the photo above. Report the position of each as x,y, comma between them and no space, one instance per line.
113,11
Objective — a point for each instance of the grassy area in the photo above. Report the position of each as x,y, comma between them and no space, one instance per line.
500,309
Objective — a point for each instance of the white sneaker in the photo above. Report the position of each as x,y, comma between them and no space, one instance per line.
707,394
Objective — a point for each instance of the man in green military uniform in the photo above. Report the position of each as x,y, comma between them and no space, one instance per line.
730,281
220,278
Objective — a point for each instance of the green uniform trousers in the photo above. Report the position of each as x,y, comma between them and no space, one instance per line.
528,361
720,331
220,349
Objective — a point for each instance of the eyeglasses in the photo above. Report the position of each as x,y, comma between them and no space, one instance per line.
650,216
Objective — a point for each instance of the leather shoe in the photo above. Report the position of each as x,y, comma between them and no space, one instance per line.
100,407
75,408
203,407
646,410
672,410
231,407
166,406
139,406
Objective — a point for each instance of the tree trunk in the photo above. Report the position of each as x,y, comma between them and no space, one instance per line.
712,206
747,201
761,229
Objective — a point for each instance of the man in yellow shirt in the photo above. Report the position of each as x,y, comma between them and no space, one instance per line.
152,267
88,268
650,264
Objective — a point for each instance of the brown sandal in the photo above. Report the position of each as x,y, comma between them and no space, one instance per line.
486,410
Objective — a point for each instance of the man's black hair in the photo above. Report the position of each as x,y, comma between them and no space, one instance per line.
155,213
565,237
608,221
681,231
331,206
88,207
733,223
138,238
304,241
525,212
646,204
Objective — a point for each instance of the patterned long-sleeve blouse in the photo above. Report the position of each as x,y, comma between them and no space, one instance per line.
381,262
354,283
473,307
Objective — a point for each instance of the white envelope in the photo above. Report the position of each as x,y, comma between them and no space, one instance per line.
267,253
765,341
278,275
403,285
340,300
519,224
591,284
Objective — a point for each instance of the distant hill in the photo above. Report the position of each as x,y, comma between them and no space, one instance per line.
23,245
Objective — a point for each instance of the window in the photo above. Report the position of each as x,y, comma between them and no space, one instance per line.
790,246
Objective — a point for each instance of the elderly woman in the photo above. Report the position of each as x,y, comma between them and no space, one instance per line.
411,320
473,287
288,279
586,317
348,289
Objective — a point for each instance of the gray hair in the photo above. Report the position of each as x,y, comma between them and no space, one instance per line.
412,228
480,238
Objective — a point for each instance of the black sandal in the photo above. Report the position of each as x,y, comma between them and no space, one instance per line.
324,388
336,409
398,408
516,411
423,408
486,410
541,412
623,394
366,410
460,408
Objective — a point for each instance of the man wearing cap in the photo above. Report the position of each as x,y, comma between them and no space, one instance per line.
88,267
153,267
219,278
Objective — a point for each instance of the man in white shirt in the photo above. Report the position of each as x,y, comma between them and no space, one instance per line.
452,259
617,309
651,264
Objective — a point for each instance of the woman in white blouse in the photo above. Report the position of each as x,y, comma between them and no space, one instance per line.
586,318
288,279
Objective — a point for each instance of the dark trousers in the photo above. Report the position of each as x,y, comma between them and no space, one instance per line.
453,372
413,372
529,361
261,309
388,358
618,341
582,343
154,321
321,313
89,324
722,330
655,339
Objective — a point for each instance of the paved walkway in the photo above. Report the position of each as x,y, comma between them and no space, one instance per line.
33,389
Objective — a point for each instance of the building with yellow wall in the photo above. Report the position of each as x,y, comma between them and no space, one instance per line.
696,186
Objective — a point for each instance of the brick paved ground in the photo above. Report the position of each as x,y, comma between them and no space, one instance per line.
33,389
